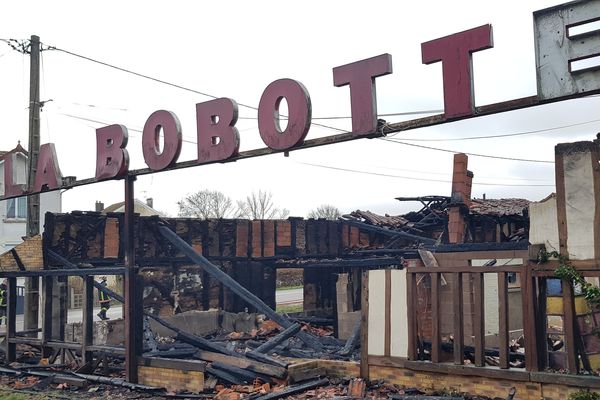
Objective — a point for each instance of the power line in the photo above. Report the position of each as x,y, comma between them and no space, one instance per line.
419,112
502,135
164,82
470,154
414,178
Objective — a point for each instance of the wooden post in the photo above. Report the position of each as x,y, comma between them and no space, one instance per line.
542,324
479,322
457,311
133,301
47,285
503,319
569,327
88,319
411,292
387,341
364,328
436,339
32,285
528,301
11,319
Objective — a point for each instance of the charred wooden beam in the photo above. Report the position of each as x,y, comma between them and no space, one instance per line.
225,376
266,359
294,389
234,286
390,232
277,340
352,340
246,375
64,272
245,363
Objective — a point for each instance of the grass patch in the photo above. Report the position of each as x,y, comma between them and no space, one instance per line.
290,308
290,287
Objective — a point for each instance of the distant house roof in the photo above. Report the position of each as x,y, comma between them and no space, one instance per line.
499,207
18,149
140,207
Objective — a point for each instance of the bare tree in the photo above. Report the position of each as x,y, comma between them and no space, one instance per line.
326,211
260,206
206,204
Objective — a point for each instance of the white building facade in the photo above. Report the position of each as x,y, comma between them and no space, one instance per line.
13,212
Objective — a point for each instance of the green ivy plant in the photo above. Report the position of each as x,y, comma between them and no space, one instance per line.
566,271
584,395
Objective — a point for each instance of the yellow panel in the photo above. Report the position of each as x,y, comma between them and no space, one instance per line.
594,361
554,305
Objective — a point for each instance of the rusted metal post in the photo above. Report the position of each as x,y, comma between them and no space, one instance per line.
133,306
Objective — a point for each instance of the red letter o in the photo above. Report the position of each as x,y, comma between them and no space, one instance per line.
299,110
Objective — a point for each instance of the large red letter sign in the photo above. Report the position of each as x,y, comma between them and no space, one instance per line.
299,110
218,138
155,159
112,159
360,75
454,52
10,188
47,176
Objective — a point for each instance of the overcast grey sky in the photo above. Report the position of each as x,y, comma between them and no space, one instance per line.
236,48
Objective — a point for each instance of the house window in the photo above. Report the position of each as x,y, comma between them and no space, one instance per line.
16,208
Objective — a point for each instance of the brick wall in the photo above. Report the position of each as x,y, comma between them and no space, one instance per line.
473,385
173,375
29,252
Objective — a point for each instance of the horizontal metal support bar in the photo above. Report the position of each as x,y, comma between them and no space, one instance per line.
64,272
490,109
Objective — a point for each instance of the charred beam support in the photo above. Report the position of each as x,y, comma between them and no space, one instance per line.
88,319
133,299
295,389
235,287
249,365
390,232
64,272
11,319
352,340
277,340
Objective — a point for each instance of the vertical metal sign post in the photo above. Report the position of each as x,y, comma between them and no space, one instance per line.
133,301
33,201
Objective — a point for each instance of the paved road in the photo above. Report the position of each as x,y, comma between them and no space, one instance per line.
290,296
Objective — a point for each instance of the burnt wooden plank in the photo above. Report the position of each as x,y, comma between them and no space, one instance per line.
88,319
278,339
47,285
411,292
569,327
364,326
246,363
561,203
479,320
528,299
457,317
503,319
11,319
388,313
435,318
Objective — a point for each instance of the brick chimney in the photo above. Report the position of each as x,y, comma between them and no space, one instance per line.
460,201
99,206
150,202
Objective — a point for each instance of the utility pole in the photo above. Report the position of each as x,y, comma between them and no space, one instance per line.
33,201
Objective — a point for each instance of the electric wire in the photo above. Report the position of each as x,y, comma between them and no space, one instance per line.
504,135
398,141
415,178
